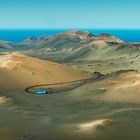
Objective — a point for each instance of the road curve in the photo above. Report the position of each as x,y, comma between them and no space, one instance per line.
78,83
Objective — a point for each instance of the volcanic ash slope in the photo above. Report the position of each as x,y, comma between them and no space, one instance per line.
19,71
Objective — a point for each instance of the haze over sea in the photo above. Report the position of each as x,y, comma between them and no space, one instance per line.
17,35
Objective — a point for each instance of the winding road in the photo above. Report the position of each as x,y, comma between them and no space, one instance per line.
61,87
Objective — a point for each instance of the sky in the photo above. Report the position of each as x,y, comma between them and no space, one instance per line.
52,14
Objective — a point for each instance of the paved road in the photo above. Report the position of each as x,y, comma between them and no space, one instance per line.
78,83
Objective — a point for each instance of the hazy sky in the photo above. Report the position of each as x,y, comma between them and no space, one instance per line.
70,14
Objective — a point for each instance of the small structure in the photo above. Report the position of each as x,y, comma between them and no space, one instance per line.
40,91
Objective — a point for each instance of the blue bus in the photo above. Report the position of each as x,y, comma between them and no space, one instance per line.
41,91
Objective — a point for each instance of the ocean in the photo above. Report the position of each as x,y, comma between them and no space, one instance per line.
19,35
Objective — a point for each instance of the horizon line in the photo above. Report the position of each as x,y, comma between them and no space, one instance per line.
69,28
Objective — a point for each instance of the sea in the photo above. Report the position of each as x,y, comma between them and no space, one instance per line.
17,35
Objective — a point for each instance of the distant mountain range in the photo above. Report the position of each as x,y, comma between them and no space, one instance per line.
73,46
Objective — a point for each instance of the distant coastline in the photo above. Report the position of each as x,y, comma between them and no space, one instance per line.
17,35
